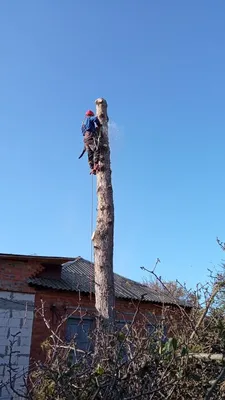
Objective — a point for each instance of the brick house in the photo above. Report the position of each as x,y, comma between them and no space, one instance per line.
61,286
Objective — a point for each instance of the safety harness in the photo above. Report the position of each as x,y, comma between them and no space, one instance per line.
96,137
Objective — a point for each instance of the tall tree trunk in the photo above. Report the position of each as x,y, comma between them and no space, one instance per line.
103,237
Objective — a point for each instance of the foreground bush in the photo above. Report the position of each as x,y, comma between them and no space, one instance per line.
178,356
136,363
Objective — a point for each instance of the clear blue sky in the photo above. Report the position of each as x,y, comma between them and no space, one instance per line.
160,65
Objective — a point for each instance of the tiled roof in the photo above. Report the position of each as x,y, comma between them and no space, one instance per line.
78,275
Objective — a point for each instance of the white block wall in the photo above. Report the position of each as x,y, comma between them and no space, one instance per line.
16,317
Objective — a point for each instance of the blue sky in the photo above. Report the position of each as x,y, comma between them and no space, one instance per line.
160,65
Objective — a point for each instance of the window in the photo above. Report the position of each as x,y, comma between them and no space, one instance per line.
78,329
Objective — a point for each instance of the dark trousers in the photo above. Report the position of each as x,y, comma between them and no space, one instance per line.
91,148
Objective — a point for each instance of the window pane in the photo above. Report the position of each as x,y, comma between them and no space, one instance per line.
79,329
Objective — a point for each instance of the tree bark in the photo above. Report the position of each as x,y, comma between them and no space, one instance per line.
103,237
215,291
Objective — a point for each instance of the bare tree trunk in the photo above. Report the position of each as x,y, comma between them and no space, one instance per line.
103,237
215,291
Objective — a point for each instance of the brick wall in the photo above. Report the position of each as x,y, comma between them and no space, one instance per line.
57,304
14,275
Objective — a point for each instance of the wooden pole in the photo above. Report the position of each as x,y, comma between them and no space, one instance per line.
103,237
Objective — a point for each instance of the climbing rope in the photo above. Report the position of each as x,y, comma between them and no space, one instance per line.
92,227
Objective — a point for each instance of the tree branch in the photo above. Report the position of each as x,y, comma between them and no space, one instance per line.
217,380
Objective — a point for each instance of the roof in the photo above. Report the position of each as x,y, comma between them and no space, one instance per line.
78,275
43,259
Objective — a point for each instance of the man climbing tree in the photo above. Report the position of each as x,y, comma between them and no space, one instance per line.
91,132
95,132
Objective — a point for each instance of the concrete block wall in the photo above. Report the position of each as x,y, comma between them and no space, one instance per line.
16,318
